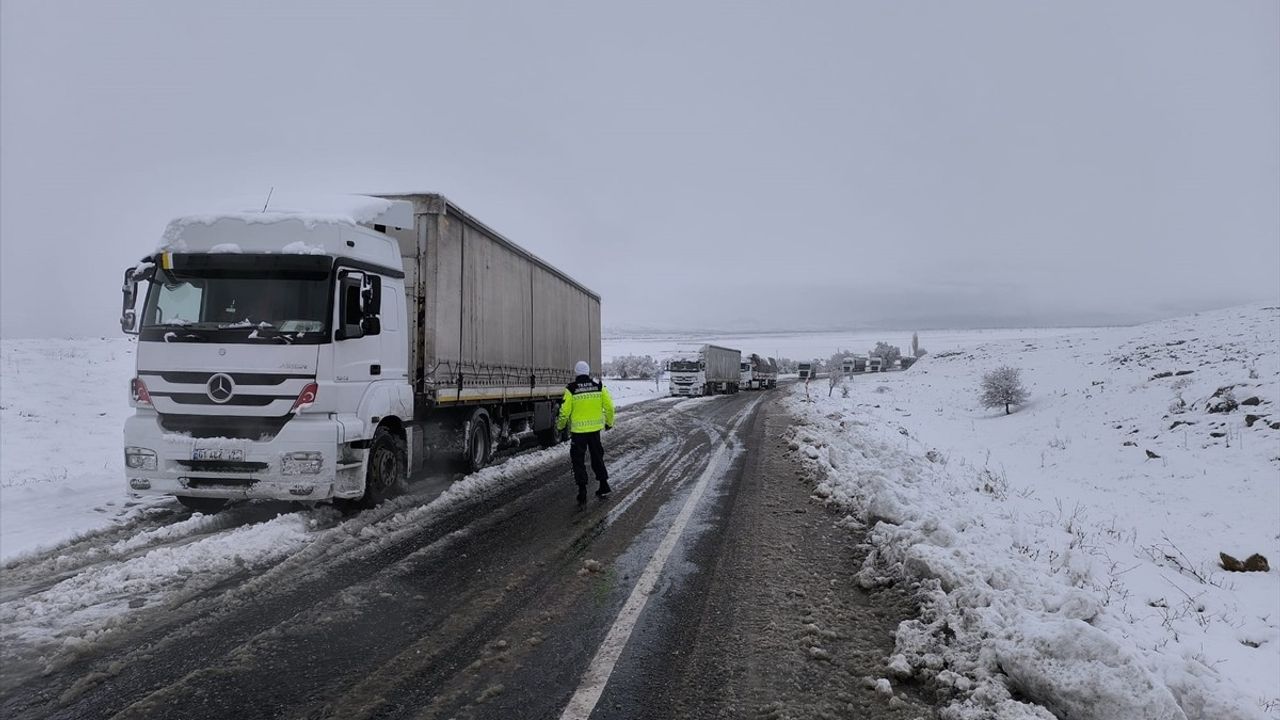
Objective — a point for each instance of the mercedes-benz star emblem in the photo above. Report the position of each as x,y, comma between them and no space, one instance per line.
220,388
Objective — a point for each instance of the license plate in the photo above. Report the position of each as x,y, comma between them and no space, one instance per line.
229,454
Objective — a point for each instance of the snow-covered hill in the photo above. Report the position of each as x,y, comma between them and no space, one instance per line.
1069,552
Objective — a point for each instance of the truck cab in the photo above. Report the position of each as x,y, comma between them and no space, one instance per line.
686,377
746,376
271,351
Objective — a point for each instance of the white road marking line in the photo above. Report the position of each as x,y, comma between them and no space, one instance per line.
583,702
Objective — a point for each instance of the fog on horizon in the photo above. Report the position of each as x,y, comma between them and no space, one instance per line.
718,166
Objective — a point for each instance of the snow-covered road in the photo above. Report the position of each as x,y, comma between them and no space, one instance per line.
492,595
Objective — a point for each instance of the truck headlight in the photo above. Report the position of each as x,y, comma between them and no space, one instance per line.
308,462
136,458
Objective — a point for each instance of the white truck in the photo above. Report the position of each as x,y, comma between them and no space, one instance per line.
759,373
704,370
805,370
323,353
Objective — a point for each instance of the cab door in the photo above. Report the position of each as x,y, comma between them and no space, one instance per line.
357,345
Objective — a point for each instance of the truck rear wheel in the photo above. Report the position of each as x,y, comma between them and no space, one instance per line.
387,471
479,444
207,506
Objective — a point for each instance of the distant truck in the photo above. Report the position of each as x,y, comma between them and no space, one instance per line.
846,365
323,353
704,370
759,373
805,370
875,364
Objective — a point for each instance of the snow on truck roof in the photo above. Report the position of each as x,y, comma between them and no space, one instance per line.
359,212
310,210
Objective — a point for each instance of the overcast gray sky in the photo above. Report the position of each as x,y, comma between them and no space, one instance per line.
723,165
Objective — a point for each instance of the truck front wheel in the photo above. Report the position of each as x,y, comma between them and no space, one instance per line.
387,471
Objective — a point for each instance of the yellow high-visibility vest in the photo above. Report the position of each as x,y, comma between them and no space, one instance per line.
586,407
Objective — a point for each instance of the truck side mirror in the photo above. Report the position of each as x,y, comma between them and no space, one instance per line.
350,312
129,317
373,296
371,301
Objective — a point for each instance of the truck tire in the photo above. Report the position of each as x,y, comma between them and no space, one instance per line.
204,505
386,471
479,443
547,438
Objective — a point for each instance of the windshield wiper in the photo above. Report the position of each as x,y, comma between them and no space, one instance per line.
172,336
271,333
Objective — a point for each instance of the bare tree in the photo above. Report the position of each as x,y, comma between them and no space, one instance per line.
887,353
627,367
835,372
1003,386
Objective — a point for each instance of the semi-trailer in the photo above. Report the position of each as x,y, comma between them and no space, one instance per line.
704,370
324,351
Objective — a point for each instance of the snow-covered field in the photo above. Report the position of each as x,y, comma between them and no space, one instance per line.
1068,554
62,409
630,392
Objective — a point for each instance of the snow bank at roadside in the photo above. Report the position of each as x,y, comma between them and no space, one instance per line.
1063,568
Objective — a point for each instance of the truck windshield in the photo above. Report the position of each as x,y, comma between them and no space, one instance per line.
685,366
237,302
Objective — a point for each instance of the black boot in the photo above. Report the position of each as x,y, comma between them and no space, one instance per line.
604,489
582,494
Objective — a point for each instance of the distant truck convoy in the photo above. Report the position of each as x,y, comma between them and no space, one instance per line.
704,370
851,364
302,355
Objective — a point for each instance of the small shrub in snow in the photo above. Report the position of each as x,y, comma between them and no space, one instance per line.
1003,386
1179,405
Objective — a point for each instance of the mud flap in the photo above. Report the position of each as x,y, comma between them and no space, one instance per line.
544,416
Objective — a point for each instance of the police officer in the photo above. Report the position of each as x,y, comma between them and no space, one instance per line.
586,409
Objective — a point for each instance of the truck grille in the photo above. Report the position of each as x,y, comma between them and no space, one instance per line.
223,465
212,426
202,377
219,482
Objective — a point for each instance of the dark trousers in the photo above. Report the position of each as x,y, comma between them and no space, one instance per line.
578,447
